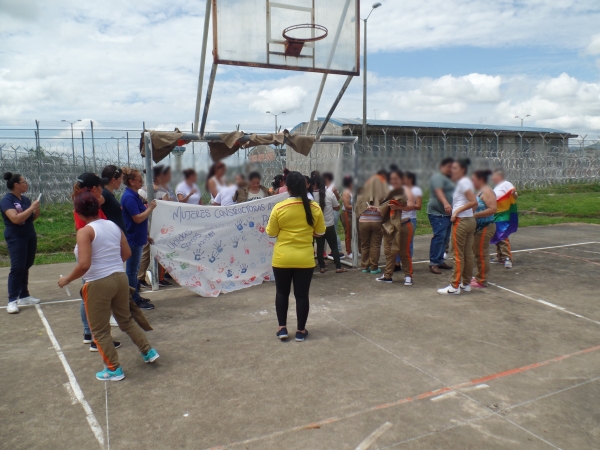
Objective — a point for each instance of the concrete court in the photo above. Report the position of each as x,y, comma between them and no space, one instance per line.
387,366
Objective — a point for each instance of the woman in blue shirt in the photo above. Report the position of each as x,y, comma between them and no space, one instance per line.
18,213
135,215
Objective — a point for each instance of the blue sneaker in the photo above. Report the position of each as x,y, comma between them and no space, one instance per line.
283,333
300,337
376,271
365,271
151,356
111,375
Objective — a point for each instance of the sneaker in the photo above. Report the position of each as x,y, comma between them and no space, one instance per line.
383,279
282,334
151,356
300,337
496,260
28,301
449,290
365,271
113,322
476,284
408,281
445,255
110,375
341,255
164,283
144,285
466,288
145,304
374,272
508,264
349,256
12,307
87,339
94,347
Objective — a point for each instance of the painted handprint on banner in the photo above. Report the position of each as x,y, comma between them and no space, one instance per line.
172,255
212,258
166,230
261,228
231,259
263,258
228,285
239,225
235,241
246,250
184,265
198,254
243,268
250,222
229,273
221,268
218,247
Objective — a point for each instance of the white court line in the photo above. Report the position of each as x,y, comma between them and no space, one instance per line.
89,414
544,302
370,439
526,250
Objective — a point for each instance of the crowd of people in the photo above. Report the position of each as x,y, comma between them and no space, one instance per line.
113,245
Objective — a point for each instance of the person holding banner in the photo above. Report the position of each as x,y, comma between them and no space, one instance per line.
507,218
294,221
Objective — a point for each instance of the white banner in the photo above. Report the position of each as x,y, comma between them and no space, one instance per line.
214,249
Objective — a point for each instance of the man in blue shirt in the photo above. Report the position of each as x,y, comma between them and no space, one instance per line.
135,215
439,210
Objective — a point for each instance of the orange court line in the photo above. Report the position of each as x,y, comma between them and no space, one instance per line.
422,396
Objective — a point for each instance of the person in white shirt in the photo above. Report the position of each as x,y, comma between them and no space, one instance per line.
226,194
501,188
328,179
328,203
410,182
187,191
214,179
463,229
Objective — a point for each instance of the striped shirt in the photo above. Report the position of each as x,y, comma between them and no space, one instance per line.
370,216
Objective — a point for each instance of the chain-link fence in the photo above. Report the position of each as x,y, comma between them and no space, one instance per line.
51,158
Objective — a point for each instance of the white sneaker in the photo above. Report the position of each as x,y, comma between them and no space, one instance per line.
445,255
449,290
12,308
28,301
349,256
466,288
113,322
508,264
408,281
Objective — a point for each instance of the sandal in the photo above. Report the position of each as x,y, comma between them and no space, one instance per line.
342,270
323,269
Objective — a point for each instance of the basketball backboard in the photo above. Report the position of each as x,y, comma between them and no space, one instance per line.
324,34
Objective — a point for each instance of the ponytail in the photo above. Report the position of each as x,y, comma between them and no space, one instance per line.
296,184
320,186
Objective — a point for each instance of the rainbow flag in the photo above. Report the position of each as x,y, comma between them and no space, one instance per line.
506,218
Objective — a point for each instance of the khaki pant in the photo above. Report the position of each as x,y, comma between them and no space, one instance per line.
347,218
102,296
463,231
145,263
394,246
481,245
370,241
503,250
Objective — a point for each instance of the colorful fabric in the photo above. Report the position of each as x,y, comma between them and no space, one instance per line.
506,218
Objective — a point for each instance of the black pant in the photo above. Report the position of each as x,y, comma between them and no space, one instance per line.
283,285
331,237
22,254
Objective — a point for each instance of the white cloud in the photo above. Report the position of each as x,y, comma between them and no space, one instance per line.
593,47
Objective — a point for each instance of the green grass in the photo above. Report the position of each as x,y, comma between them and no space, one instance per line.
550,206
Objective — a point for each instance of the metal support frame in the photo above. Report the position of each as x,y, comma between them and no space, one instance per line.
93,146
83,151
333,107
202,63
150,198
211,83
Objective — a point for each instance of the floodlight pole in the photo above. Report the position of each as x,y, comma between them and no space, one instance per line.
202,64
364,126
269,112
72,137
522,118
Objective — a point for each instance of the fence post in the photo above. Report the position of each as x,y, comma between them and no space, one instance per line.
93,146
83,150
128,149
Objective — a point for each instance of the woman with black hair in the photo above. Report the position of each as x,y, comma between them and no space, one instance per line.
463,229
187,191
19,213
278,185
112,176
347,215
294,222
214,179
328,203
486,227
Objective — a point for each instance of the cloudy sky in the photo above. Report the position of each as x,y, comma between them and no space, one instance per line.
473,61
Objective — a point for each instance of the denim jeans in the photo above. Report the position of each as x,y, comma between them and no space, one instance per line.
131,268
336,219
412,240
84,320
22,254
442,227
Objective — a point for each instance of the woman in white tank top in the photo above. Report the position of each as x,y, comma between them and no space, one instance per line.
101,250
214,180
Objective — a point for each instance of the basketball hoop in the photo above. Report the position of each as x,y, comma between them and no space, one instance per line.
294,45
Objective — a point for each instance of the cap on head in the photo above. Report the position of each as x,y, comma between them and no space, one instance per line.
90,180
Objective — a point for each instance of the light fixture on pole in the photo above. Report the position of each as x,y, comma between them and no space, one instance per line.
364,127
72,138
269,112
522,118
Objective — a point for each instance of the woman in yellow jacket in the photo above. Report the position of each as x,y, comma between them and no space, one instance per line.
294,222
